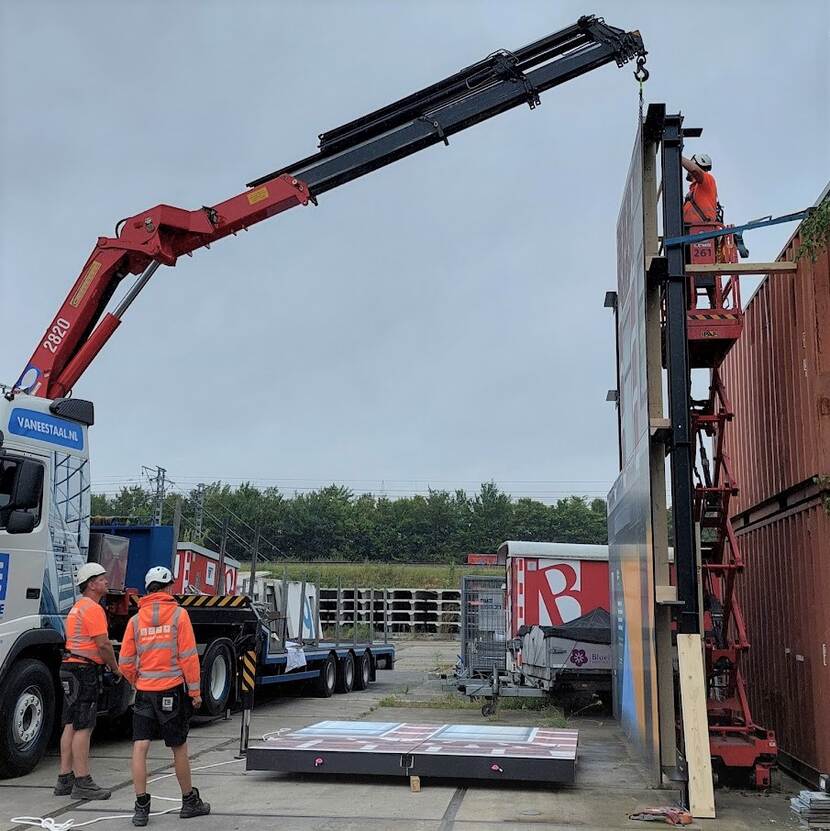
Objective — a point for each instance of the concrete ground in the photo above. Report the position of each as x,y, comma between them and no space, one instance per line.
610,783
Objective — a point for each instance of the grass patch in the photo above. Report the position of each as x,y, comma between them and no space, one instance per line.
378,575
439,702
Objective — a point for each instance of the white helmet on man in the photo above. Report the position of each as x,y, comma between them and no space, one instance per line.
158,574
87,571
703,161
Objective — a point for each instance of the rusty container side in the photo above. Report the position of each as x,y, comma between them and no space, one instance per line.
778,378
785,595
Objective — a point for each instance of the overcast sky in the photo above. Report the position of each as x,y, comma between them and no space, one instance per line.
437,322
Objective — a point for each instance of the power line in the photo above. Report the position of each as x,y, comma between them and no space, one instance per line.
386,480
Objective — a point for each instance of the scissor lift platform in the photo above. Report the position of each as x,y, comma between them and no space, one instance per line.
460,751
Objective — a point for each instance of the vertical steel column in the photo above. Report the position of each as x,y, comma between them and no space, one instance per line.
372,615
315,623
354,620
677,364
386,615
301,630
254,558
284,604
337,612
223,545
177,526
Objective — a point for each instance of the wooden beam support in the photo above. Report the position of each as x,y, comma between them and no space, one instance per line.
740,268
695,726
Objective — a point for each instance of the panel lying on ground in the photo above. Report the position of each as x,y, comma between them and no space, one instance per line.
467,751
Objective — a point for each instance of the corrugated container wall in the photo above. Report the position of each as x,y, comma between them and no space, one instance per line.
778,378
785,596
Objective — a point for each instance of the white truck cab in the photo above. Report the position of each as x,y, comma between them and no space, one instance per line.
44,538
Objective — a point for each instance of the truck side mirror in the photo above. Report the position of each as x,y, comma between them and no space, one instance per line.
20,522
28,485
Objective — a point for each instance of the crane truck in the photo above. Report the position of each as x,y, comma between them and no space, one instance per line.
44,432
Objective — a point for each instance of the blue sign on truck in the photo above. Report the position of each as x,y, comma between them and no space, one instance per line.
45,427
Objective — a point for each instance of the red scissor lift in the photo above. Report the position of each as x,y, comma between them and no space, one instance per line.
714,324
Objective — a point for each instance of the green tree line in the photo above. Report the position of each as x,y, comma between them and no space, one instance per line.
333,523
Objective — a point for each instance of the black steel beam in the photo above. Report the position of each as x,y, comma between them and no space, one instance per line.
493,86
679,380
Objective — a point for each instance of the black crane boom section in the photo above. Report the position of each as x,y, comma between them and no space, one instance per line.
494,85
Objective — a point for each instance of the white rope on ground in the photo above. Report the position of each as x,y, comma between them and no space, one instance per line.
50,824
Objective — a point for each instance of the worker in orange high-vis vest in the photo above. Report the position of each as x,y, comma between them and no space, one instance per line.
88,651
700,206
159,658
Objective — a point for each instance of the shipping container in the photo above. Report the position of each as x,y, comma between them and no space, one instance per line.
482,559
785,595
778,379
150,545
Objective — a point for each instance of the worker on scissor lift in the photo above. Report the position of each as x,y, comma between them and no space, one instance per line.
701,204
701,207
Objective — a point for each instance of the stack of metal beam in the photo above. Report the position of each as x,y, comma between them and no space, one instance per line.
813,809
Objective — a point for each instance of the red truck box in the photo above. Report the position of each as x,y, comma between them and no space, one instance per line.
195,571
549,584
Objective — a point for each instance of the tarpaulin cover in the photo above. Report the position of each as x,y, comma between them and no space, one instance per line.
593,627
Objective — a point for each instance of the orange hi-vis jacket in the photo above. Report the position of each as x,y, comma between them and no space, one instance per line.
159,648
701,203
86,620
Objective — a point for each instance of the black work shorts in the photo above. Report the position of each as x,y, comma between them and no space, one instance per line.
80,695
162,715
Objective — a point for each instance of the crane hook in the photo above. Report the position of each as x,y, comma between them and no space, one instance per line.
641,74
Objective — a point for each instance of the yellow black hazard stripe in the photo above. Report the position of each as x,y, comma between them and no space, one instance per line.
713,317
208,600
248,671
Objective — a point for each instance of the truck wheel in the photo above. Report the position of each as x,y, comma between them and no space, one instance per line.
326,681
345,674
27,714
363,672
217,677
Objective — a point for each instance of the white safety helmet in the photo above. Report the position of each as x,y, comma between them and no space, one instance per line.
703,161
87,571
158,574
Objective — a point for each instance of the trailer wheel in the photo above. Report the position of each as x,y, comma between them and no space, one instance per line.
324,683
363,671
345,674
27,715
217,677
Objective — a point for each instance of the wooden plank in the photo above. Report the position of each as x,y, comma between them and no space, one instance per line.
695,726
740,268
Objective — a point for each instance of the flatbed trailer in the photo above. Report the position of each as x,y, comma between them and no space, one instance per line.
242,650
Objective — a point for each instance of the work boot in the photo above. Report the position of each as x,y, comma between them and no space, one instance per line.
65,783
193,806
141,812
85,788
